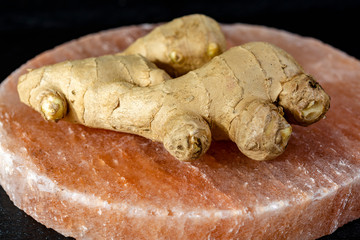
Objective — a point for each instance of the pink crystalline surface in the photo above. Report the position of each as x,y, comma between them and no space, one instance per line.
93,184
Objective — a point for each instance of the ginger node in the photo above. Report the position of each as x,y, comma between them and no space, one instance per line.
53,106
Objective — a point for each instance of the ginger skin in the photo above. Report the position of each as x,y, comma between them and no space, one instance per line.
239,95
182,45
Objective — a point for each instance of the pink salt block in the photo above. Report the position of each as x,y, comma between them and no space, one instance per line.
97,184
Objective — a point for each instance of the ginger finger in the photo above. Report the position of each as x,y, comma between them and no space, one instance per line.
72,79
304,100
260,131
182,45
187,136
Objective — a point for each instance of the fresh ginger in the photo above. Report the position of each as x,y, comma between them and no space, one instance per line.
182,45
239,95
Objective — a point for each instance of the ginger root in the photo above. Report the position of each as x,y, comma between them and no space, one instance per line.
182,45
239,95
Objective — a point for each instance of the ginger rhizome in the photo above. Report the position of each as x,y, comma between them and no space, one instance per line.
239,95
182,45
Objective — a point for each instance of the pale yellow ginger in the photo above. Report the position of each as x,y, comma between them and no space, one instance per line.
239,95
181,45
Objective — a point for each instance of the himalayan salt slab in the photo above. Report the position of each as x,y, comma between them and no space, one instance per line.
97,184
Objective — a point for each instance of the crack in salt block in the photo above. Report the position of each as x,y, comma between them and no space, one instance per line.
97,184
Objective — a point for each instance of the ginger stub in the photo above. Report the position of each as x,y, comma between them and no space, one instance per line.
239,95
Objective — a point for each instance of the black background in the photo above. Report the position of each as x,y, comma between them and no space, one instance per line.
28,28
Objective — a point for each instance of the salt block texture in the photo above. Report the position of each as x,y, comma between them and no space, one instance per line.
97,184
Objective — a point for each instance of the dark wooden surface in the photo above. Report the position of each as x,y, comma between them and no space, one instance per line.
28,28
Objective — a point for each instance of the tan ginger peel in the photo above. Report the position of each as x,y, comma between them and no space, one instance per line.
239,95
